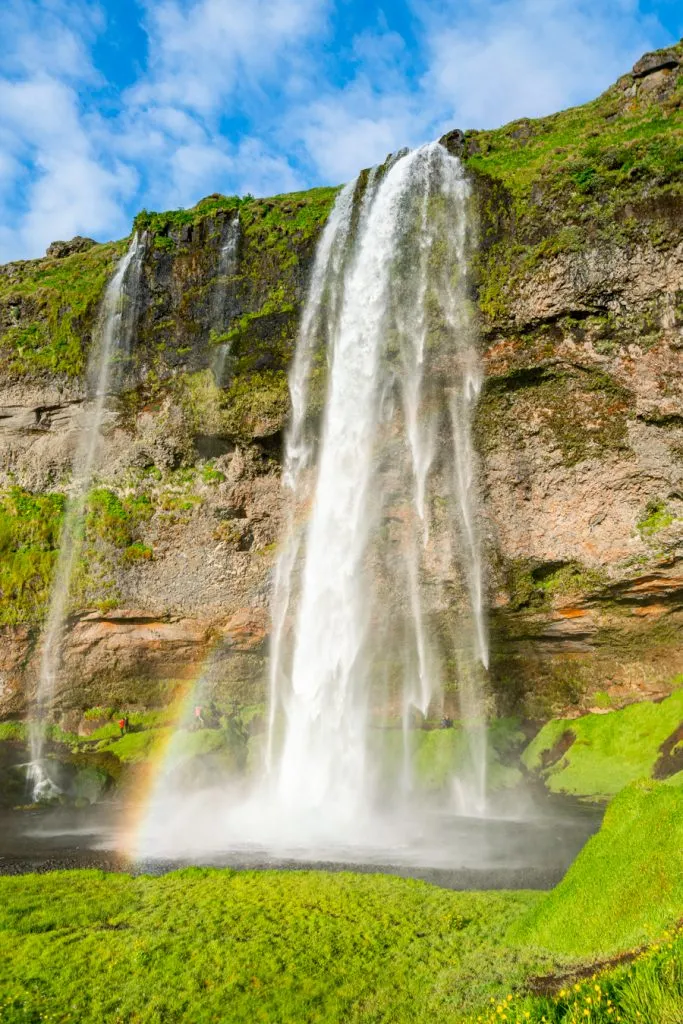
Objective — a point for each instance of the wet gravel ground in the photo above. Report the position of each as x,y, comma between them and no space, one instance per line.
527,855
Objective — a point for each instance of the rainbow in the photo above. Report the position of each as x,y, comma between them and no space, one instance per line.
139,801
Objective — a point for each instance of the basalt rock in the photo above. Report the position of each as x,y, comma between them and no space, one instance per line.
657,61
58,250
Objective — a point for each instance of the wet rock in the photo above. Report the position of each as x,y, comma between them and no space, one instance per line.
454,142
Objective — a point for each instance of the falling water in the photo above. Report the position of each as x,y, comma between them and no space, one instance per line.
227,266
116,324
379,579
388,303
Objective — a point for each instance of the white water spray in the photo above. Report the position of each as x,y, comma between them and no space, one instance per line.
116,322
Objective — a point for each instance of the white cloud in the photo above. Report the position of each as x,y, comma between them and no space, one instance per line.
69,189
348,130
65,184
299,108
209,60
486,62
50,37
491,63
262,172
201,54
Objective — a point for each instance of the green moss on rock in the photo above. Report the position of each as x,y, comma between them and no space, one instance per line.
536,585
607,172
30,526
48,309
581,413
655,518
598,754
160,224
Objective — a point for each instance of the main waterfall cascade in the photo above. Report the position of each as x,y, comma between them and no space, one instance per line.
391,488
378,603
110,349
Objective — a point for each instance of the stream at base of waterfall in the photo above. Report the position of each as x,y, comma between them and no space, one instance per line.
378,592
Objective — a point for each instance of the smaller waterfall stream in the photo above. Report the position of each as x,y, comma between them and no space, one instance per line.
227,265
115,326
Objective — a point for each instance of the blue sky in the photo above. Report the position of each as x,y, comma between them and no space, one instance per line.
108,107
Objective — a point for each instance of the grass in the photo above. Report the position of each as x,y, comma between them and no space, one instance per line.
117,521
648,990
135,747
29,538
437,755
200,944
608,751
589,175
160,224
30,528
626,885
57,301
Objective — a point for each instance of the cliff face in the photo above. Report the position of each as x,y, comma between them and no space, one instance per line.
579,284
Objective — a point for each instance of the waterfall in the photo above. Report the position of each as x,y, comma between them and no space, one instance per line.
388,306
378,591
112,344
227,267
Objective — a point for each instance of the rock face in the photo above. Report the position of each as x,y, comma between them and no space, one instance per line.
661,60
58,250
579,284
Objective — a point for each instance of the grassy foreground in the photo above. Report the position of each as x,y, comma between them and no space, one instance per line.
625,886
211,945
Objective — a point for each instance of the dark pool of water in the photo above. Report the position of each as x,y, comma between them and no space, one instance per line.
456,853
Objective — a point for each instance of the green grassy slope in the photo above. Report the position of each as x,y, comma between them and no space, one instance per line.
48,309
644,990
607,751
610,171
210,945
625,886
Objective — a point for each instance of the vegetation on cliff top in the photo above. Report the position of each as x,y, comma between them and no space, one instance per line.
162,224
601,172
48,309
